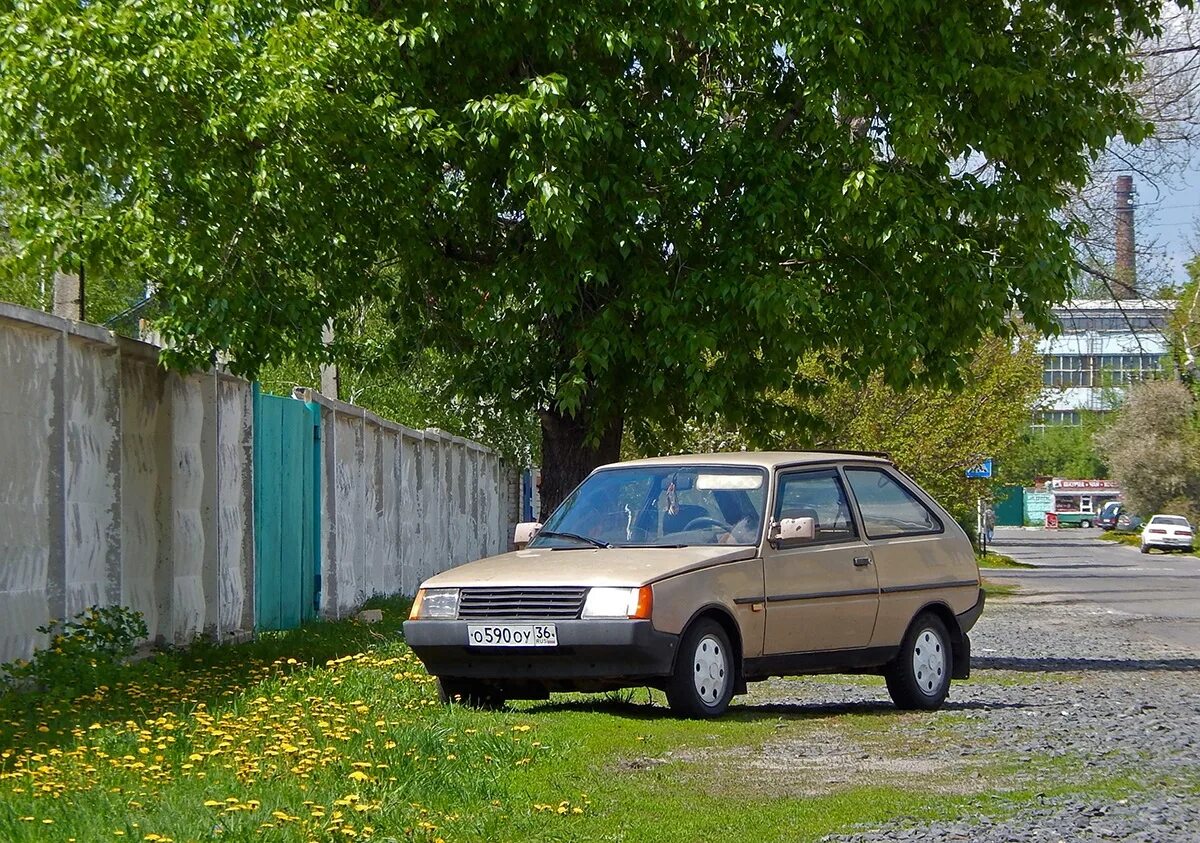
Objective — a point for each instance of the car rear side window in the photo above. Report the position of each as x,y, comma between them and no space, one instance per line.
817,495
888,508
1173,520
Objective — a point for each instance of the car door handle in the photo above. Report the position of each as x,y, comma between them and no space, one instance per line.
862,561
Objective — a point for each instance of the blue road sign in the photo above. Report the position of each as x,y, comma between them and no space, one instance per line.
983,471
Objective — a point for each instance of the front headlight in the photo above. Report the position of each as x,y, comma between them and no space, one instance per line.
617,603
435,603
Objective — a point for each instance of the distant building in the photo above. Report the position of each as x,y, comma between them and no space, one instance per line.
1105,346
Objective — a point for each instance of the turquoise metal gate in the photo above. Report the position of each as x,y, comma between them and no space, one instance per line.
287,506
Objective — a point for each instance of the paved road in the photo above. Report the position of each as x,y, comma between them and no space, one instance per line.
1159,593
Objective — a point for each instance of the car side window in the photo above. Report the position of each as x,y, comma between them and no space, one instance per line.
888,508
818,495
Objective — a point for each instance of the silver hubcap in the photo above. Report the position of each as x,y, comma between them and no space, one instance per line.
928,661
710,669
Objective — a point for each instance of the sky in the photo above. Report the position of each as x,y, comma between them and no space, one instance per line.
1167,224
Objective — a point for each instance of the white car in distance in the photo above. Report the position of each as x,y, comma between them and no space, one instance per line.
1168,532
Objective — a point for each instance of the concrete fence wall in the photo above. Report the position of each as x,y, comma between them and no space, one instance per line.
122,483
398,505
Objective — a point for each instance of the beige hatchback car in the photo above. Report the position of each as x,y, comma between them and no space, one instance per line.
699,574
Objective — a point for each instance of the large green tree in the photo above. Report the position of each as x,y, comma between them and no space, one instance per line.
1185,327
1056,451
596,209
1153,447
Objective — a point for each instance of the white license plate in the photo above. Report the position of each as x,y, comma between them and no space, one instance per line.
512,635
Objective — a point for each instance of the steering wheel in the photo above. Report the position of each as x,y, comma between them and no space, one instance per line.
705,521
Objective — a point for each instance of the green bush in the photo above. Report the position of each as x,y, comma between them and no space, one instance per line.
82,653
1189,508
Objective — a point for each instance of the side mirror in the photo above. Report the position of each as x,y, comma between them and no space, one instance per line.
787,529
525,532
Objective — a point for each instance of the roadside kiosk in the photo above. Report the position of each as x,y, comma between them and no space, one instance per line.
1077,503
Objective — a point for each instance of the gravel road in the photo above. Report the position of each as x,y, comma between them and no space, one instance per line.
1068,682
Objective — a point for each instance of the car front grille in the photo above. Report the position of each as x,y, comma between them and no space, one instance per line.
523,603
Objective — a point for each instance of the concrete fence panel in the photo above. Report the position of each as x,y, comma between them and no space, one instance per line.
412,503
230,508
141,404
28,481
91,381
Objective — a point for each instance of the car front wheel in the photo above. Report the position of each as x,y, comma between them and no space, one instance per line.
702,684
919,677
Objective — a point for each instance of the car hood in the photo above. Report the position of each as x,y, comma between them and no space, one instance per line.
586,566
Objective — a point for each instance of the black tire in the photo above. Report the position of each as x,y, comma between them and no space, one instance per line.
470,693
1144,549
1085,524
704,643
923,687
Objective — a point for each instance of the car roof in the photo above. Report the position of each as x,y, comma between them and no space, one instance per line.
758,459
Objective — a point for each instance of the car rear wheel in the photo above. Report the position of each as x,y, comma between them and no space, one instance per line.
1085,523
470,693
1144,548
702,684
919,677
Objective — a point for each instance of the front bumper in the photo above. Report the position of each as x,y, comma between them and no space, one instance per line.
587,649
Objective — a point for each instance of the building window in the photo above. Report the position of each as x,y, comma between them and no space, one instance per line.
1099,370
1061,370
1119,369
1056,418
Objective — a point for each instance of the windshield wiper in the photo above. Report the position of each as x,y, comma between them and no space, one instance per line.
575,536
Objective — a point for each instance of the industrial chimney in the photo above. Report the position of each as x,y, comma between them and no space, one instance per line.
1126,275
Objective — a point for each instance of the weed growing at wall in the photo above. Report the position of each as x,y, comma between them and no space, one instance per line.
81,653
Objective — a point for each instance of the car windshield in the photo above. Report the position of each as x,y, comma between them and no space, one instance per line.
660,506
1173,520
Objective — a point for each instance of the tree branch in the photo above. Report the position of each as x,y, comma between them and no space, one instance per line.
1190,48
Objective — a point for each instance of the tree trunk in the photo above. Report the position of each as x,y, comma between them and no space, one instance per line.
566,456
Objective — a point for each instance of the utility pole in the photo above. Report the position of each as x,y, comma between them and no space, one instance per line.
1126,270
331,381
69,294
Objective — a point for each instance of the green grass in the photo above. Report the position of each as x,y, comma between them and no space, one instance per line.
1131,539
999,560
333,732
995,590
